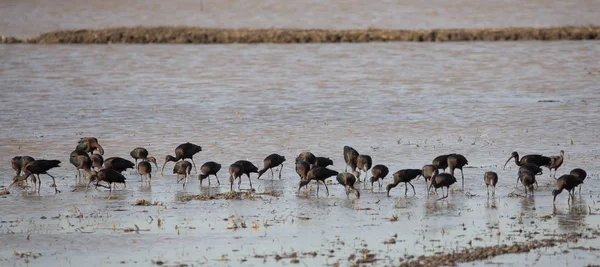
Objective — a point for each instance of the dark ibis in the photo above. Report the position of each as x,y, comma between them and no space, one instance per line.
236,170
182,168
351,158
270,162
363,163
347,180
89,145
207,169
81,160
109,176
530,167
440,162
139,153
581,174
323,162
442,180
308,157
319,174
18,162
378,172
527,179
97,161
490,179
404,176
457,161
41,166
533,158
302,168
144,169
118,164
556,162
568,182
429,171
248,167
182,152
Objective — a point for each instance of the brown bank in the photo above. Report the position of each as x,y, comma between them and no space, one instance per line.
186,35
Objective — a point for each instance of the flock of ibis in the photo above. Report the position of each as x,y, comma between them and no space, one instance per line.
92,167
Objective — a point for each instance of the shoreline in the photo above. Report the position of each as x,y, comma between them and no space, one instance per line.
196,35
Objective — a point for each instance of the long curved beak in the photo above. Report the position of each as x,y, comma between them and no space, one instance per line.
511,157
163,169
156,165
13,183
100,149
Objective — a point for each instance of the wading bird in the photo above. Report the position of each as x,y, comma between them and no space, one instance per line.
17,163
81,160
302,168
270,162
568,182
351,157
379,172
429,171
404,176
182,168
145,170
347,180
118,164
97,161
323,162
248,167
490,179
527,179
41,166
109,176
236,170
308,157
581,174
207,169
457,161
534,158
364,163
182,152
89,144
442,180
529,167
319,174
139,153
556,162
440,162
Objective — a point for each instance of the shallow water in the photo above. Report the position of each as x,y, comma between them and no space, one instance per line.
27,18
403,104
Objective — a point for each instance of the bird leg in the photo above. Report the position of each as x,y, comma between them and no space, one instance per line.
272,175
249,181
494,191
327,189
39,183
185,181
219,183
231,183
193,163
462,178
280,169
414,192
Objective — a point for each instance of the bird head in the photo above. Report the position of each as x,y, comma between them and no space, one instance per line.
513,155
302,183
555,193
153,160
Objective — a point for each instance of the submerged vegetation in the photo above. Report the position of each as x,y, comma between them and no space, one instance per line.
189,35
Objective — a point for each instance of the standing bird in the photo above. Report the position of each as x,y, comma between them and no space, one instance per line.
81,160
109,176
457,161
302,168
364,163
442,180
182,152
97,161
580,174
145,170
404,176
440,162
429,171
490,179
556,162
118,164
248,168
209,168
139,153
308,157
527,179
529,167
182,168
534,158
568,182
379,172
89,144
236,170
18,162
351,158
347,180
41,166
319,174
270,162
323,162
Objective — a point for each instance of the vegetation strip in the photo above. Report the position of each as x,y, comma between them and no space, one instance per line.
189,35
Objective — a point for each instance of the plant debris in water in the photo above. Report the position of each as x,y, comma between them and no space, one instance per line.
230,195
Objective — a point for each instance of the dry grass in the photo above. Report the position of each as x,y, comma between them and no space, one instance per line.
188,35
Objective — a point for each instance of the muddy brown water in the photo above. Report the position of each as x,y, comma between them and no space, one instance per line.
403,104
